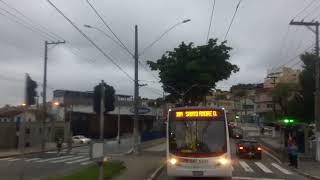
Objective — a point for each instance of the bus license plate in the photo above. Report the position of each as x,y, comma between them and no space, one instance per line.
197,173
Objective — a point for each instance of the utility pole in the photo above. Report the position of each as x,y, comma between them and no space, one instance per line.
101,169
44,92
273,77
136,148
309,25
21,143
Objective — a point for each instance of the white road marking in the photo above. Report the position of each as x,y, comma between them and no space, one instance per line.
86,163
253,178
78,161
53,159
67,159
5,159
281,169
14,159
263,167
245,166
32,159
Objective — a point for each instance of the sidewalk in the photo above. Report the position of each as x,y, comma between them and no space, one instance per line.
49,147
139,167
308,168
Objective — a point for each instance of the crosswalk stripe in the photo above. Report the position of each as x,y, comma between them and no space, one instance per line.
32,159
245,166
78,161
53,159
67,159
12,160
263,167
5,159
281,169
86,163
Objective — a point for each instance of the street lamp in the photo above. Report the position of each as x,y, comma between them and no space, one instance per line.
167,31
108,36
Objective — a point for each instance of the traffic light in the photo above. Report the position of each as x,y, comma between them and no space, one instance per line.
31,92
108,100
288,121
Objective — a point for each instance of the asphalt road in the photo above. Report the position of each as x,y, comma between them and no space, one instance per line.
250,169
41,165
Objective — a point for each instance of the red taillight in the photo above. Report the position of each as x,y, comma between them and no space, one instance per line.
259,148
241,147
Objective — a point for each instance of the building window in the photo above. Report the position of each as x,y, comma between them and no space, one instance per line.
269,105
258,106
27,131
40,130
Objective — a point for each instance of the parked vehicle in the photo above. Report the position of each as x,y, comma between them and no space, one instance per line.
80,139
248,148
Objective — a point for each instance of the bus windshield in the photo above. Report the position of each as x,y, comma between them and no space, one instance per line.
197,137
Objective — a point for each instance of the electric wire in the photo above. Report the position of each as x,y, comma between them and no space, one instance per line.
91,41
234,15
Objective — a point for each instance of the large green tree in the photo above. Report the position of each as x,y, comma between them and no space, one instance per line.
189,72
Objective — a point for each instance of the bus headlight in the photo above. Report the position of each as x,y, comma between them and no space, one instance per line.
173,161
223,161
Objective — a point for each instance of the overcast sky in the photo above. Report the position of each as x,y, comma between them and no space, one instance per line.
260,37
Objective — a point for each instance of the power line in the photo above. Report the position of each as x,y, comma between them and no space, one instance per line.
114,34
211,17
42,28
234,15
293,58
306,7
15,19
311,12
91,41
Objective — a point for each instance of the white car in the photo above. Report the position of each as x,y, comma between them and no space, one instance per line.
80,140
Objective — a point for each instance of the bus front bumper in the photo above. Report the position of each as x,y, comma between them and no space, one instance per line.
220,171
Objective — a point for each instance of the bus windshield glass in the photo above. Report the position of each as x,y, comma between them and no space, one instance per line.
197,136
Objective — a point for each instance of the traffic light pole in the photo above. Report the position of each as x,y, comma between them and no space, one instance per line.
44,92
136,148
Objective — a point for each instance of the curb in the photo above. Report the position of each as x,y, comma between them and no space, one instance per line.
36,152
156,172
306,174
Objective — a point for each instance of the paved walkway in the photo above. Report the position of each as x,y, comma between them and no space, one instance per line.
30,150
139,167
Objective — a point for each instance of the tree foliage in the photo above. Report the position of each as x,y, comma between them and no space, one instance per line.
307,83
283,95
297,101
189,72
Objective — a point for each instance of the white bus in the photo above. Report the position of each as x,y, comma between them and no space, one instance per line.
198,143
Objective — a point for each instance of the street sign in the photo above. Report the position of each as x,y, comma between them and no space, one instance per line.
141,110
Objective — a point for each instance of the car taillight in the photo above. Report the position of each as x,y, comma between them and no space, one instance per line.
259,148
241,147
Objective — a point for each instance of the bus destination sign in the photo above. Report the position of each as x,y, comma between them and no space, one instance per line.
195,114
